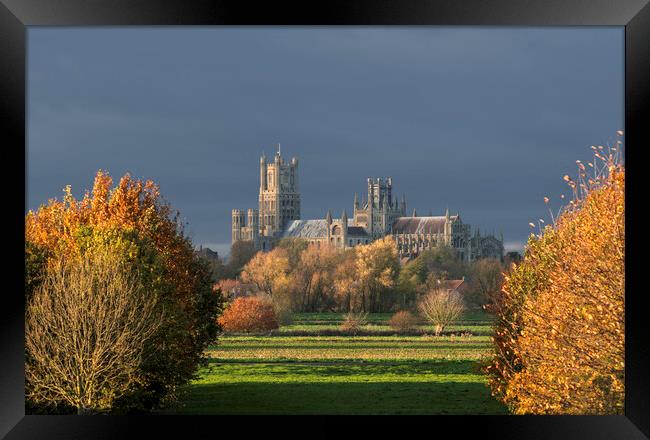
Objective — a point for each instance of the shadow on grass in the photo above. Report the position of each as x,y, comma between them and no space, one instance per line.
351,367
362,345
339,398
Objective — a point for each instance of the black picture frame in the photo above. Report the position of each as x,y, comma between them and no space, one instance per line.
16,15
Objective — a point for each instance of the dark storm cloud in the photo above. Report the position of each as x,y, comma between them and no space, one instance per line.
483,120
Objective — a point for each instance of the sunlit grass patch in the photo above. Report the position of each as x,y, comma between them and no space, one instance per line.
373,373
360,347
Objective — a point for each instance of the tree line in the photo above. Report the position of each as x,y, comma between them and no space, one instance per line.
303,277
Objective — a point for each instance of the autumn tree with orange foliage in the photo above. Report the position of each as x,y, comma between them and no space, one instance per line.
299,276
267,270
133,218
560,325
369,275
346,284
249,314
377,267
312,280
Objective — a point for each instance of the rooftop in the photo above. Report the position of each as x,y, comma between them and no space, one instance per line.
421,225
306,229
317,229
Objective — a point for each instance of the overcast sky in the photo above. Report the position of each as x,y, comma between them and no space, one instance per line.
485,121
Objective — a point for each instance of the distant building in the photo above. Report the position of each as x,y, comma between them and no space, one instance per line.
487,246
207,253
381,210
460,287
376,216
416,234
452,285
336,232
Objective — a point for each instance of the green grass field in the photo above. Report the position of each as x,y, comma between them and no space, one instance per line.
383,374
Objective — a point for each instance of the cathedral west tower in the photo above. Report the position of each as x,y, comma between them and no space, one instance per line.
279,198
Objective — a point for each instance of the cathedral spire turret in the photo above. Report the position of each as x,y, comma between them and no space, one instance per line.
344,219
263,170
356,200
328,217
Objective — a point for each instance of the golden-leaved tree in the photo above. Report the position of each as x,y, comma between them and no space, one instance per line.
560,320
267,270
377,268
133,219
312,280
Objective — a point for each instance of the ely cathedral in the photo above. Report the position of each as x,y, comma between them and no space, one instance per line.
378,214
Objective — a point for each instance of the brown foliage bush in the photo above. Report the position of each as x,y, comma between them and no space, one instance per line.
403,321
249,314
354,321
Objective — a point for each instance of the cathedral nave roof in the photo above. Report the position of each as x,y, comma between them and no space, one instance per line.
421,225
